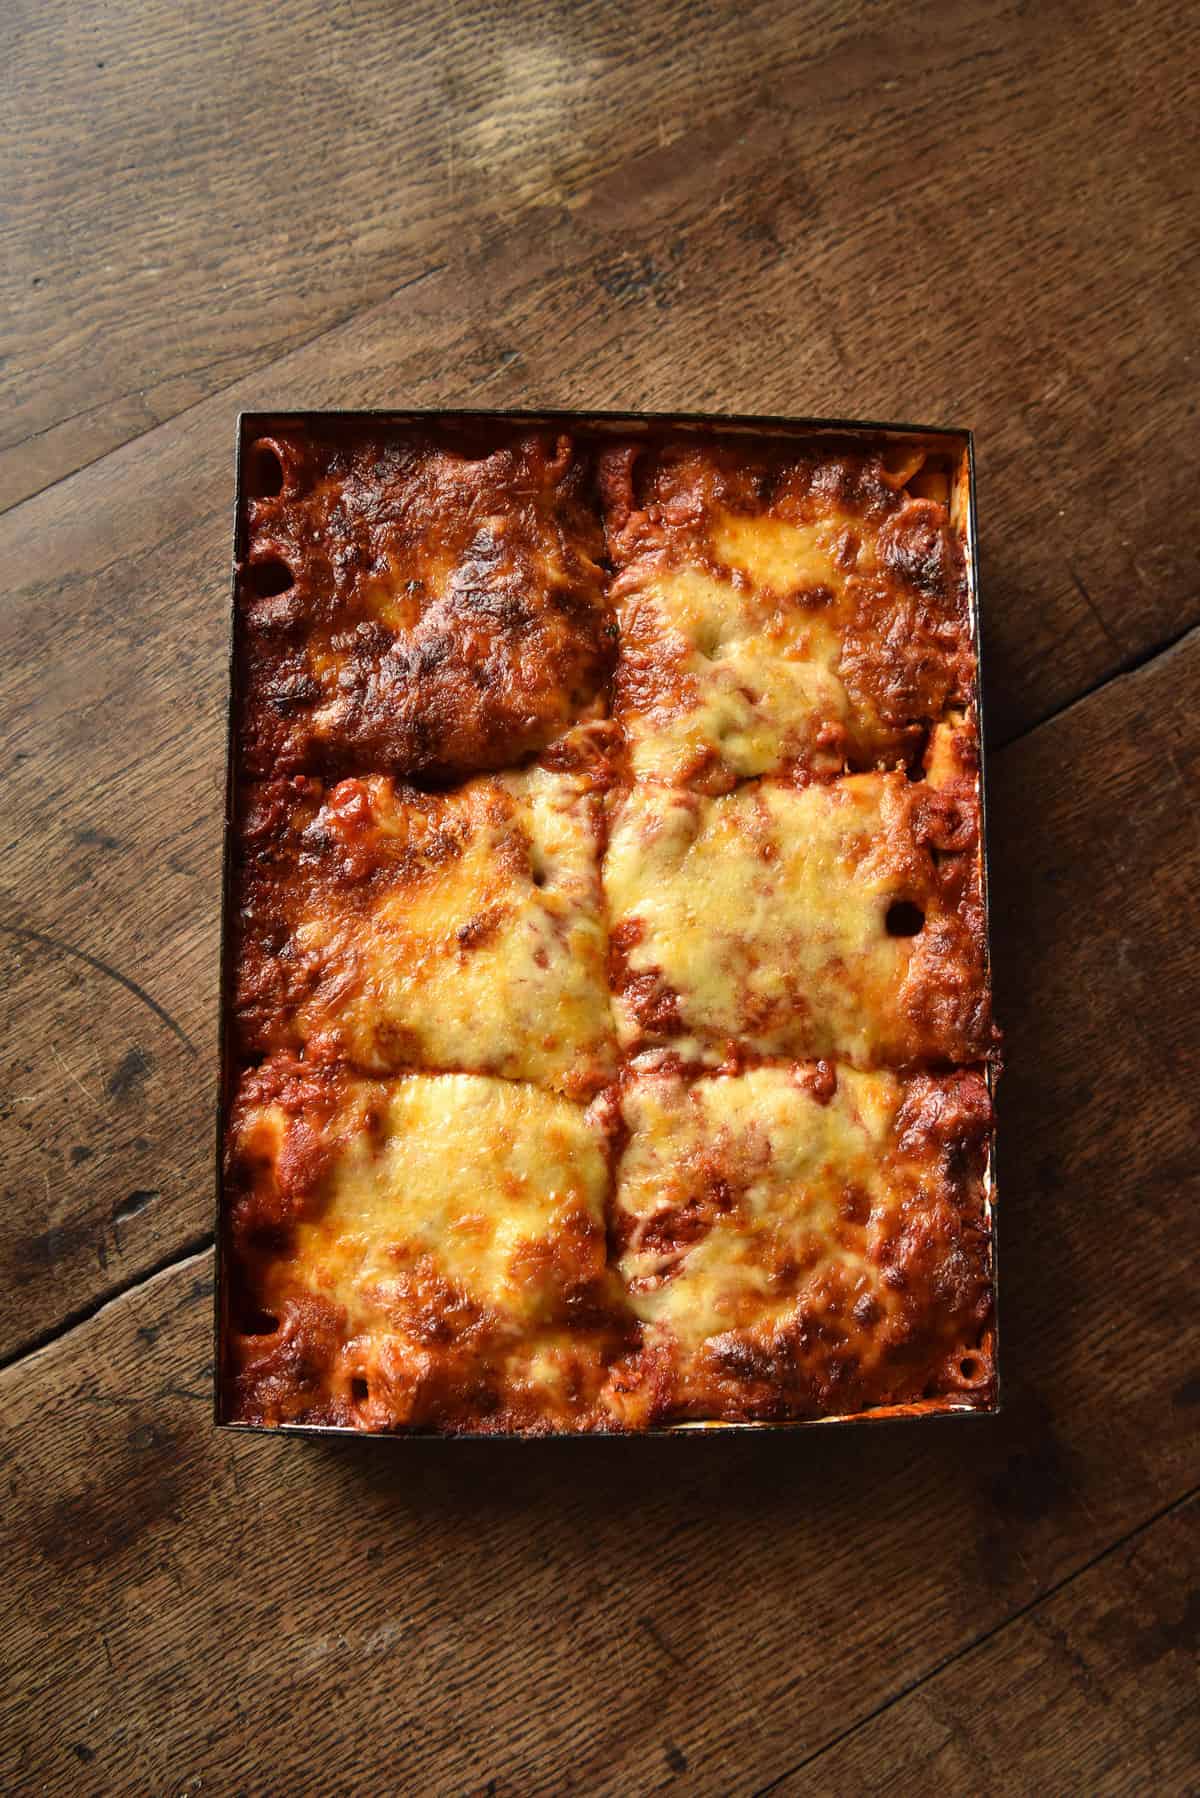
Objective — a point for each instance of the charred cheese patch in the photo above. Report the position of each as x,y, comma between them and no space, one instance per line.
418,602
434,1237
394,929
800,1239
777,921
796,615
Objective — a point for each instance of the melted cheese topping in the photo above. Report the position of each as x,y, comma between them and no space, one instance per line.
442,608
446,1227
791,1231
753,642
783,1161
759,919
785,558
423,1227
463,1175
468,935
739,688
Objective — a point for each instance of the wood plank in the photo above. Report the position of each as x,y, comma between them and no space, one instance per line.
111,643
614,1616
1093,1692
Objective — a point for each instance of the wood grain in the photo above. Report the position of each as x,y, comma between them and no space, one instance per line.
1093,1692
296,166
699,1615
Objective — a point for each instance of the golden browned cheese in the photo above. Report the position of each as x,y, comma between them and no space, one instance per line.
395,929
842,918
430,1251
427,1251
780,612
799,1240
609,1008
416,602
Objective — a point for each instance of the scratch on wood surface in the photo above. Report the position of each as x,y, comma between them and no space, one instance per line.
103,967
651,1629
1093,608
367,1643
71,1075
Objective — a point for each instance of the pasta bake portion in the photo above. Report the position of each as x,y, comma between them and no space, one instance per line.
396,929
838,919
425,1251
803,1239
416,603
792,611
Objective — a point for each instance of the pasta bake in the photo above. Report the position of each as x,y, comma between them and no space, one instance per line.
608,1037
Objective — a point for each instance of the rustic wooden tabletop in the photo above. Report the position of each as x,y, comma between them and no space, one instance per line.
970,213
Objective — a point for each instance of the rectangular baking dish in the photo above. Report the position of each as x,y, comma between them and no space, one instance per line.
955,447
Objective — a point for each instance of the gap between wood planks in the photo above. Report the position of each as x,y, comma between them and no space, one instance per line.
977,1642
83,1314
1130,665
198,1244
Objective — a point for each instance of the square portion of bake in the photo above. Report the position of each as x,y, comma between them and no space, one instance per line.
395,929
781,611
802,1241
416,600
840,919
428,1251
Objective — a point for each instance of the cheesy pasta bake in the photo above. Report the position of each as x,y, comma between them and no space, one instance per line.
607,1036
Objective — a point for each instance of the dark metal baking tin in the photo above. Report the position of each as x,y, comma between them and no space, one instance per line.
252,425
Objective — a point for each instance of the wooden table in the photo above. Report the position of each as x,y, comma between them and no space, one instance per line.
970,213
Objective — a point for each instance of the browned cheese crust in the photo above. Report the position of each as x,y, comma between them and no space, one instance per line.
842,918
416,602
395,929
801,1240
781,611
425,1252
